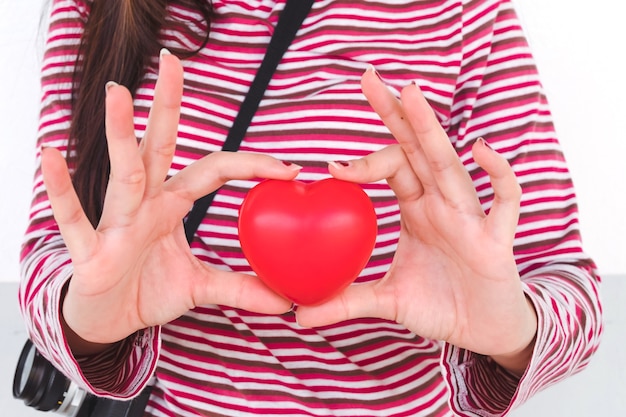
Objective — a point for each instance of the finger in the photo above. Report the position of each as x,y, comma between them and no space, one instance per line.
389,163
504,214
239,291
357,301
159,142
453,180
76,229
127,179
393,116
214,170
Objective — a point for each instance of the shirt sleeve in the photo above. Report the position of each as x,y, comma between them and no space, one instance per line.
46,267
499,97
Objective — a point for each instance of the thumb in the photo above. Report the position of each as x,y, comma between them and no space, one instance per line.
356,301
238,290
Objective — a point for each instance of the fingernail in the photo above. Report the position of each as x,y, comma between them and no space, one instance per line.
415,83
164,51
483,142
339,164
297,318
291,165
371,68
110,84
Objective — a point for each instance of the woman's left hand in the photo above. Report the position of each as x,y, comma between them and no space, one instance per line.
454,276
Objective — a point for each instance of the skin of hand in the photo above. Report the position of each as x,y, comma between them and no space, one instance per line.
136,269
454,276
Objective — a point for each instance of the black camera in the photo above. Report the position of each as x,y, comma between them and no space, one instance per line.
41,386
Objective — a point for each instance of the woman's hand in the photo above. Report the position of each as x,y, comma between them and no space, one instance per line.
136,269
453,277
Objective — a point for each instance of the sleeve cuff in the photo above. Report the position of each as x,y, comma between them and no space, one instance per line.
120,372
124,370
481,387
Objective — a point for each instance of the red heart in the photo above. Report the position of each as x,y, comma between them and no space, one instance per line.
307,242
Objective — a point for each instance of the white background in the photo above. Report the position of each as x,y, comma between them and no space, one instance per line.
581,54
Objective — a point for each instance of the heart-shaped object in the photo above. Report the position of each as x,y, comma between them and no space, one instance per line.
307,242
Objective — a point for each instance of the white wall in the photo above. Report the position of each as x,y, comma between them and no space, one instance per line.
19,96
579,51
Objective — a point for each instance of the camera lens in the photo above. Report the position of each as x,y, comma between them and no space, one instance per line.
41,386
27,366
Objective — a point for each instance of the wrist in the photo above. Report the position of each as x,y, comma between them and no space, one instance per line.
78,345
518,360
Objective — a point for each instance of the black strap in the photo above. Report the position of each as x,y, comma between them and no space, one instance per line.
106,407
289,22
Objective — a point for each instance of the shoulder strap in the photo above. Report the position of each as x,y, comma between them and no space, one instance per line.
289,22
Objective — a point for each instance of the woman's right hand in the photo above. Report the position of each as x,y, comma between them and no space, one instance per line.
136,269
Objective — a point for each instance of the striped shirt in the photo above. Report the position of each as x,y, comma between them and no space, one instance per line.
471,60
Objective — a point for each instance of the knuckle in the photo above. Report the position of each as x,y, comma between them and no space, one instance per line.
439,165
165,149
71,217
135,177
411,148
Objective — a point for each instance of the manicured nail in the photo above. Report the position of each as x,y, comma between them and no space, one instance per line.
415,83
339,164
297,318
291,165
371,68
110,84
483,142
164,51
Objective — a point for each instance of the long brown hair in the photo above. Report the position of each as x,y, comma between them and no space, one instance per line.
120,39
